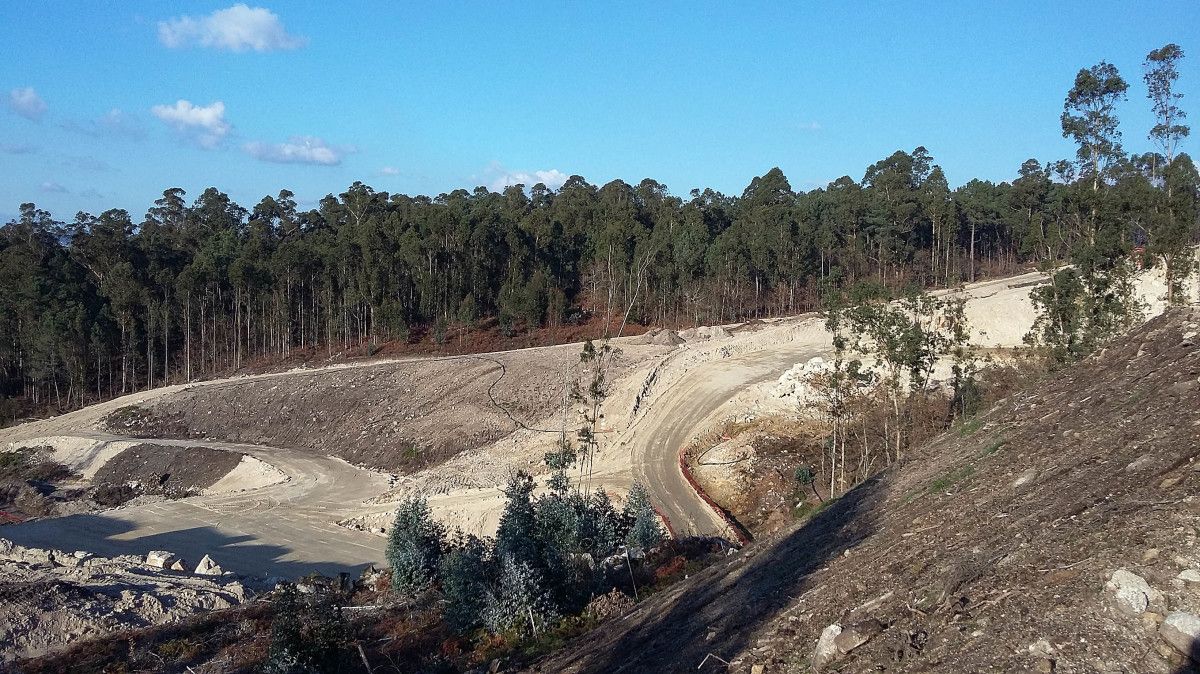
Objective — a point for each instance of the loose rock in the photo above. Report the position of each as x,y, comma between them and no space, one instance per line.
827,651
208,567
1132,594
1182,631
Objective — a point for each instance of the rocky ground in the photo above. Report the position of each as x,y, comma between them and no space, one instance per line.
52,598
1060,535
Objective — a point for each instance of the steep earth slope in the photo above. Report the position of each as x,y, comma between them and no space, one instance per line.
1058,535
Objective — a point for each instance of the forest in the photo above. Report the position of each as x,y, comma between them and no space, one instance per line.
112,303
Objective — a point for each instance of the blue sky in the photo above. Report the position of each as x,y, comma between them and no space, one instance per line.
429,97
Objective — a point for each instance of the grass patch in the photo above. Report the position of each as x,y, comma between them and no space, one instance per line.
809,510
993,447
969,427
950,479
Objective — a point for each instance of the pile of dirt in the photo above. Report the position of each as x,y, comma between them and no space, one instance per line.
50,598
1062,534
397,416
660,337
167,470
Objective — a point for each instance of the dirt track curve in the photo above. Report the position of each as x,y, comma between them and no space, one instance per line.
289,529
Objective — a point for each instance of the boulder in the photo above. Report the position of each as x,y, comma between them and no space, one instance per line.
1190,576
1182,631
826,651
208,567
1131,593
856,635
179,565
160,559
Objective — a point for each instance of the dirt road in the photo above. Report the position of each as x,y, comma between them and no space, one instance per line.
290,529
287,529
680,412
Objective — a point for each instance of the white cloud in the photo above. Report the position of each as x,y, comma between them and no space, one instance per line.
810,126
238,28
205,126
298,150
53,187
500,177
389,171
26,103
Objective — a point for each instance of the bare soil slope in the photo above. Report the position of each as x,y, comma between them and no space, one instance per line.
989,552
397,416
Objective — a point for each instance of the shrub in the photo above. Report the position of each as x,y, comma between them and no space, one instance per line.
414,547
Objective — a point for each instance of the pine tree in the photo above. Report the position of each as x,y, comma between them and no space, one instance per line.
645,530
414,547
464,573
517,602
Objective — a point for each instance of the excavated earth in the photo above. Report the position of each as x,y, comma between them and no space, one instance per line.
396,416
1061,535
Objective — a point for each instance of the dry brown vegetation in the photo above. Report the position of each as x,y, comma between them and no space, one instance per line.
988,550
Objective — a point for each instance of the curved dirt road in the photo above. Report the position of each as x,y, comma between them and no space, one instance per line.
287,529
675,418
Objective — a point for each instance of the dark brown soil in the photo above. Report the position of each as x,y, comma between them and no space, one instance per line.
165,470
976,550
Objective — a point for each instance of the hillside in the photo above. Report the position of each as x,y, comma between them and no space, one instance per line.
1057,534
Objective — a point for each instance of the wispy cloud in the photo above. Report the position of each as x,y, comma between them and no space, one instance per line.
87,163
389,171
238,28
498,177
18,148
52,187
25,102
810,126
91,194
205,126
114,123
298,150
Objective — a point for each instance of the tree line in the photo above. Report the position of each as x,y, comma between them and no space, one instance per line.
107,304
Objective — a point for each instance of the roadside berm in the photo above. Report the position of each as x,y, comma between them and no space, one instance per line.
1060,534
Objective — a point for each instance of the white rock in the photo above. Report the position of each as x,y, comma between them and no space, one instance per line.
1132,594
1181,630
160,559
208,567
826,651
1190,576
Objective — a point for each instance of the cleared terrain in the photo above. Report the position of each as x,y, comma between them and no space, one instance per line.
468,420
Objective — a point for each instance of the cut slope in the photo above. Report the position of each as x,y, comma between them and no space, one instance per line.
397,416
984,553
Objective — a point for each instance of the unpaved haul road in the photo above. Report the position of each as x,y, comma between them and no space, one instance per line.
679,412
289,529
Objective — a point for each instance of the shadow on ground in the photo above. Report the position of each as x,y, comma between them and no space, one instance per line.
105,536
716,613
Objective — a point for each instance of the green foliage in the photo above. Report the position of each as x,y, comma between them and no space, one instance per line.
414,547
646,530
804,476
951,478
518,603
306,635
463,573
